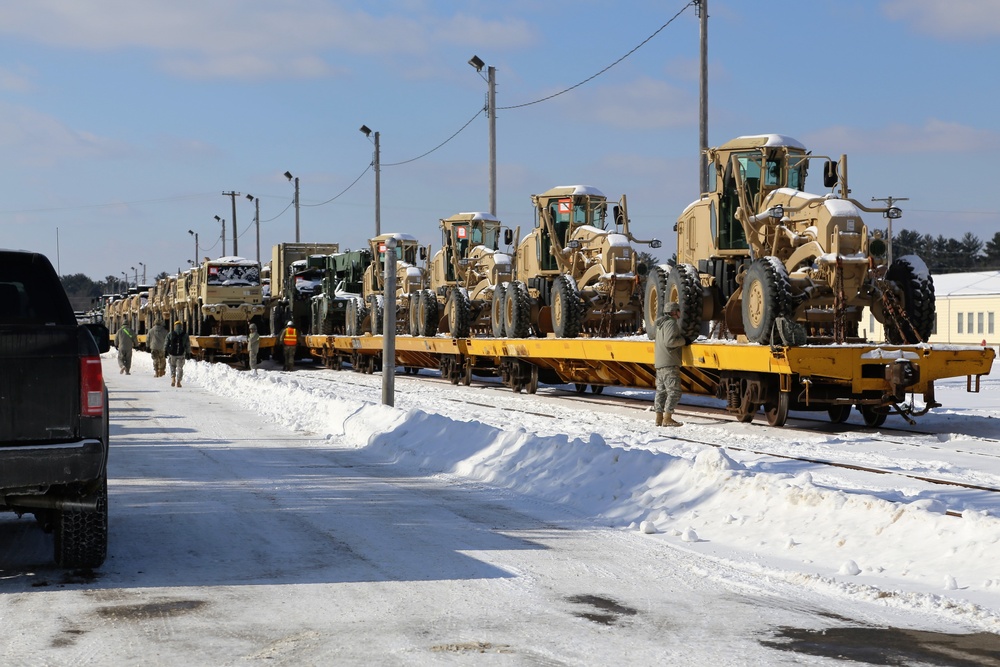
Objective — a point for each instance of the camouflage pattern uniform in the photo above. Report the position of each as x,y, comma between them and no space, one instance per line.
667,357
125,340
156,339
178,348
253,348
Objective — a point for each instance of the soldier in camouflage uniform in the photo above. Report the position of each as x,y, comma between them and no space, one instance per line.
156,339
125,340
667,356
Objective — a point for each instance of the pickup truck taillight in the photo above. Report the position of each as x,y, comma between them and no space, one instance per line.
91,387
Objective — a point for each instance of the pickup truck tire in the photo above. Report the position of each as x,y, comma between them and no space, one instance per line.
81,536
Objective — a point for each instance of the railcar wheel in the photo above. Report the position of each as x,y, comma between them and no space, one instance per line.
532,386
872,417
597,388
747,417
839,413
777,412
580,388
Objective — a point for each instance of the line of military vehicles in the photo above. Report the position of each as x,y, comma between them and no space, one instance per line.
758,259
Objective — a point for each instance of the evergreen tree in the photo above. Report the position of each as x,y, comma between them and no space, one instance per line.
992,250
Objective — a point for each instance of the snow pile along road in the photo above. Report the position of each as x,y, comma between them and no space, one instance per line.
883,538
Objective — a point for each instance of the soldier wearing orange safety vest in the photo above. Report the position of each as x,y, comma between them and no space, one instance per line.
289,340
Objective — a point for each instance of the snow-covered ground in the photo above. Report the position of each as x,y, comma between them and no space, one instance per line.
882,539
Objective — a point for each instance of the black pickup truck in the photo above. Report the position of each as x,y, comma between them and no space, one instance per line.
53,412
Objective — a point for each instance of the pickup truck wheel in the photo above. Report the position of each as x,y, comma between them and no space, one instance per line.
81,536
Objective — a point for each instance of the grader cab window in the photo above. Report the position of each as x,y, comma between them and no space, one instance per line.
731,234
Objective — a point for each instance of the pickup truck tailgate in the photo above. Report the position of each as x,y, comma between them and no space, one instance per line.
39,385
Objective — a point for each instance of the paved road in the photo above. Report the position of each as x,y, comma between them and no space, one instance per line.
234,541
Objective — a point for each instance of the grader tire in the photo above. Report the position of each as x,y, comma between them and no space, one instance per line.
516,310
496,311
684,287
765,298
910,274
654,299
566,308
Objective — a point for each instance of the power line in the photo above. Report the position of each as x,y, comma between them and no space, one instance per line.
591,78
396,164
344,190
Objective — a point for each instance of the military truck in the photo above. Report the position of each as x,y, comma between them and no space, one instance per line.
220,298
296,277
759,257
343,275
465,275
366,315
573,273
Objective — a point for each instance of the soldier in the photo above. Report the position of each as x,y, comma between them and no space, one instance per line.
253,347
178,348
157,341
125,340
289,340
667,356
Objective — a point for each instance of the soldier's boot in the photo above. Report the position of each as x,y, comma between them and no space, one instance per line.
668,420
659,419
179,386
173,382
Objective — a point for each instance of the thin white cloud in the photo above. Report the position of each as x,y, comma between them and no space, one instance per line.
247,38
953,19
934,136
641,104
15,82
41,140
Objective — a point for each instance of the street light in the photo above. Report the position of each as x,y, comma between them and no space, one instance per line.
223,221
288,175
256,221
136,277
491,113
125,281
195,235
143,272
378,187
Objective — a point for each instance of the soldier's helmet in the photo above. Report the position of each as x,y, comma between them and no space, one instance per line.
673,307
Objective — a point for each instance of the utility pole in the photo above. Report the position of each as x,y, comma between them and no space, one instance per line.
256,222
890,215
233,196
389,324
701,7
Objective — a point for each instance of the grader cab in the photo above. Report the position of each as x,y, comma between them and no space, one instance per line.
759,257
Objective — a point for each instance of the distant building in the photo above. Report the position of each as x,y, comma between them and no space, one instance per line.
967,307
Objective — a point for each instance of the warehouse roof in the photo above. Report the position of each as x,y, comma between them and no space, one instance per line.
979,283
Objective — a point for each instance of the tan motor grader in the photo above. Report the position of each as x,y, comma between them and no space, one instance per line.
573,274
759,257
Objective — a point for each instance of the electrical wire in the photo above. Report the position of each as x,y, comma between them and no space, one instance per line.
345,189
469,122
591,78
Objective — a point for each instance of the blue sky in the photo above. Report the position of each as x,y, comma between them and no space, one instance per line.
122,122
